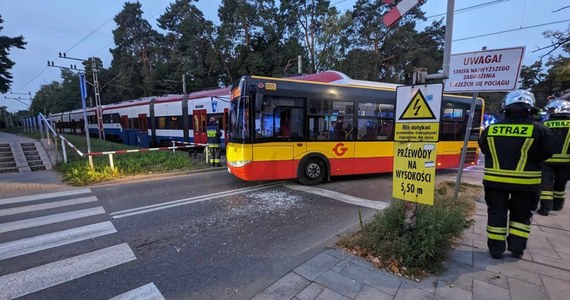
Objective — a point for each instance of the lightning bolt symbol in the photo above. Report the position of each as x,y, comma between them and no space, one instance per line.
417,107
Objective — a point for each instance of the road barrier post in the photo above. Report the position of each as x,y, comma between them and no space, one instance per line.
111,161
63,150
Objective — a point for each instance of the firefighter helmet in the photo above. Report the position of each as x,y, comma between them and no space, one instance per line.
519,96
558,107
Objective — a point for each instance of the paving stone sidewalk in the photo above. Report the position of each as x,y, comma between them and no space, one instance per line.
542,273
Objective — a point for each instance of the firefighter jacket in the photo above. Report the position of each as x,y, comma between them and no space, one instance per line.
560,127
514,151
214,135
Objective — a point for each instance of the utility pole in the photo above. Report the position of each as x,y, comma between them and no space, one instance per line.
95,85
97,98
29,94
19,99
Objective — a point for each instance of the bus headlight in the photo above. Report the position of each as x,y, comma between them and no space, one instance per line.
239,163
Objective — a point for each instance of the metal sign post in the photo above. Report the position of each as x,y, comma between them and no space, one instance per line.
415,146
83,88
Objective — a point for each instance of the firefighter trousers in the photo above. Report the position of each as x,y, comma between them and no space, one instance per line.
509,213
553,186
215,153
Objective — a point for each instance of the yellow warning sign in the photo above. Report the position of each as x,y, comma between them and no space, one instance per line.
414,172
418,108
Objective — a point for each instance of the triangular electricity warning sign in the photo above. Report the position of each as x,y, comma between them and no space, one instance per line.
417,109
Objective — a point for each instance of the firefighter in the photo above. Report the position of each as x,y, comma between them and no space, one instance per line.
556,170
514,150
214,142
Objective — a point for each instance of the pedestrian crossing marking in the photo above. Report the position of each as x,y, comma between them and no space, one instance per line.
48,275
145,292
36,279
43,196
54,239
44,206
50,219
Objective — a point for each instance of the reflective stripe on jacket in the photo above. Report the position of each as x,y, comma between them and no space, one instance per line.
514,151
214,135
560,128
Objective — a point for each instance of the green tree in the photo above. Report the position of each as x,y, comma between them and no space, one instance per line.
188,48
251,33
313,22
5,63
332,43
58,96
550,79
136,53
391,54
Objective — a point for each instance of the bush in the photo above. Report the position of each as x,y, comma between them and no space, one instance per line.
423,249
77,172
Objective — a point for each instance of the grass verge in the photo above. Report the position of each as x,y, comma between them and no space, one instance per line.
423,250
77,172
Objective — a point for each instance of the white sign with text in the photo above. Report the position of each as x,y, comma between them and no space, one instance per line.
484,71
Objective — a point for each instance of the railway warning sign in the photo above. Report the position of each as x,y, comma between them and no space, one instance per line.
414,172
484,71
417,113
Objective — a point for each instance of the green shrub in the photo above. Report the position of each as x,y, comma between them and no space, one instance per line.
423,249
77,172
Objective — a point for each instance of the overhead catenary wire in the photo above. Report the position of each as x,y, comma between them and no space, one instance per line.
465,9
81,41
510,30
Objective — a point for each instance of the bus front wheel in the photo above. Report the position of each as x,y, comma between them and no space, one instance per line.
313,171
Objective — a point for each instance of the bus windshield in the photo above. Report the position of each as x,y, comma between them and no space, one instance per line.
239,116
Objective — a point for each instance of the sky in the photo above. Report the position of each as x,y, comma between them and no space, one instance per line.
83,29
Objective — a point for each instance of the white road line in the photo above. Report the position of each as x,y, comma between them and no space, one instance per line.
145,292
40,221
339,196
43,196
55,239
161,206
43,206
36,279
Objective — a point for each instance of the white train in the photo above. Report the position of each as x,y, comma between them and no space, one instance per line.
152,121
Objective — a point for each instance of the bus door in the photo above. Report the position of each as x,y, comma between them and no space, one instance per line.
225,124
199,117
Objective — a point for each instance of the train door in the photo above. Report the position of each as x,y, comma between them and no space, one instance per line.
143,123
125,122
200,123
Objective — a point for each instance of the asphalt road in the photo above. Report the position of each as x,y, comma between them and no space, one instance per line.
199,236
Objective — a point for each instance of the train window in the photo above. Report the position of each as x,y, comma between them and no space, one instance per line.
114,118
175,122
160,123
134,123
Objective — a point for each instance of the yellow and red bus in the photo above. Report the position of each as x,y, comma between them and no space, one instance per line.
285,128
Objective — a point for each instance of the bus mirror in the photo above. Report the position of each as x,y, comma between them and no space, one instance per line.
258,102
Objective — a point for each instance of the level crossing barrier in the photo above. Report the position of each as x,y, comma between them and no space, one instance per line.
43,122
111,153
